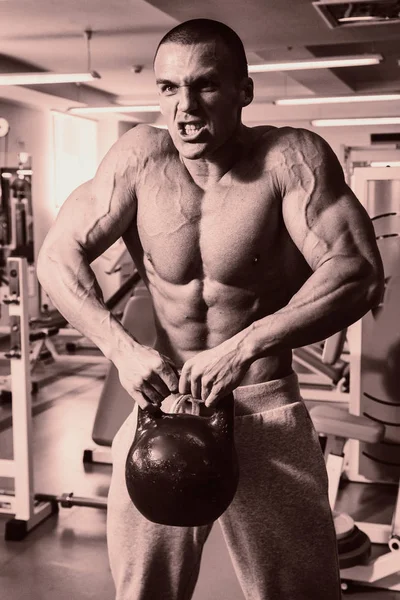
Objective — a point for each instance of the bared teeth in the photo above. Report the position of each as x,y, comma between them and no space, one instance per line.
189,128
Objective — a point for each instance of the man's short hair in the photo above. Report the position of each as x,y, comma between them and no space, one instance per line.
197,31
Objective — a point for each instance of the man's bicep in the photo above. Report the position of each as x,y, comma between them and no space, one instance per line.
325,228
89,221
98,212
321,213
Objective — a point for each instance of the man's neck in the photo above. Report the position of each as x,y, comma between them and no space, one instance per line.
208,171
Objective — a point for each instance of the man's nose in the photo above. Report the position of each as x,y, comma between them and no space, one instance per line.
187,99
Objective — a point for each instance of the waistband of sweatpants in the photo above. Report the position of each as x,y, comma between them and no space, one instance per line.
259,397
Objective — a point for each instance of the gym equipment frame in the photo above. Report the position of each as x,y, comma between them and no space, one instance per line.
376,338
369,432
324,371
29,509
339,427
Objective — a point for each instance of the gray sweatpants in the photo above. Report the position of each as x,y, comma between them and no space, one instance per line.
278,529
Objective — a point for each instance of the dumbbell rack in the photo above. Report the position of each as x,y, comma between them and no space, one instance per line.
28,511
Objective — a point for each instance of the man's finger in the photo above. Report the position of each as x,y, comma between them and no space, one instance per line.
143,401
169,376
151,393
212,399
205,390
184,381
159,385
195,387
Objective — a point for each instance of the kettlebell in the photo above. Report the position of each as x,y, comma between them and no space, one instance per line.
182,468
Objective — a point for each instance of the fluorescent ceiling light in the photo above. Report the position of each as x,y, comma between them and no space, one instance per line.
356,121
337,99
42,78
360,18
387,163
318,63
83,110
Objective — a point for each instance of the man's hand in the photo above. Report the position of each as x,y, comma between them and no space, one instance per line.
147,376
214,373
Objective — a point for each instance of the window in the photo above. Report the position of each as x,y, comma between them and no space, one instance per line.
74,154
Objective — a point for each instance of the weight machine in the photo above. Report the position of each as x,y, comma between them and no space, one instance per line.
363,444
324,369
16,217
29,508
339,426
28,511
16,234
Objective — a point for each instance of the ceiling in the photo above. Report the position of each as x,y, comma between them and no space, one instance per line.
49,35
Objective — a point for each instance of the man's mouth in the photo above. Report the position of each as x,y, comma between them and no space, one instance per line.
190,130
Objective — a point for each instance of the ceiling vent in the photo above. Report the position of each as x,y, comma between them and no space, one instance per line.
385,138
360,12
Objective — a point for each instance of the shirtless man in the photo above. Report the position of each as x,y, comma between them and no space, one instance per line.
251,244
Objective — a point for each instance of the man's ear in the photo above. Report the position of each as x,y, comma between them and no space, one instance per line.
247,91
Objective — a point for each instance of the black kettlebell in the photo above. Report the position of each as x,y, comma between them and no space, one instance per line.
182,468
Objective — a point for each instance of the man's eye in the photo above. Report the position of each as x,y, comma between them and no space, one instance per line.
206,86
168,89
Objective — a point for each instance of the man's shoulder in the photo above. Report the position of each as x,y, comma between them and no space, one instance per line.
288,145
134,151
146,140
282,137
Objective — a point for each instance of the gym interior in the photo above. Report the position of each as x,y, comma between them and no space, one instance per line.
74,78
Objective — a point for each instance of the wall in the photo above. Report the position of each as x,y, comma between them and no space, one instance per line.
108,131
107,134
30,131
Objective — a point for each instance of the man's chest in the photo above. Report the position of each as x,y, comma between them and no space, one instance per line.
221,233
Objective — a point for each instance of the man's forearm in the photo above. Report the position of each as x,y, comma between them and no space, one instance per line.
335,296
75,292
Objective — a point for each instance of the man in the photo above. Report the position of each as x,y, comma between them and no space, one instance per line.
251,244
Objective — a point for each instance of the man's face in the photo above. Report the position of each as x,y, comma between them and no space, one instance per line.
199,96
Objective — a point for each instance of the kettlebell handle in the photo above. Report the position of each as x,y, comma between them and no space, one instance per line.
223,409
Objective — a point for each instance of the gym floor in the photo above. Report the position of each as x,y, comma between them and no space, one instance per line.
66,556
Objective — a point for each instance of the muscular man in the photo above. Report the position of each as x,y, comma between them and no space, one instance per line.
251,244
